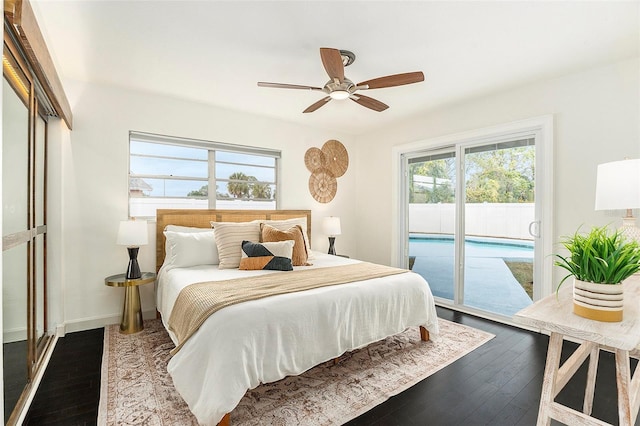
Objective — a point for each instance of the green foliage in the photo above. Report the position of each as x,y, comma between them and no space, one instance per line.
599,257
238,185
440,175
202,192
243,186
501,176
261,191
505,175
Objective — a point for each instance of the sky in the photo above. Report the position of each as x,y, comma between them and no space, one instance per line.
172,160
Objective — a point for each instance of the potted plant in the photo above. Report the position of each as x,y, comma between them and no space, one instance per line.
599,262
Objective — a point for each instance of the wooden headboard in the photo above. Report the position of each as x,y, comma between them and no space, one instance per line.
202,219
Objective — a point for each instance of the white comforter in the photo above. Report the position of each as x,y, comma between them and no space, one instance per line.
265,340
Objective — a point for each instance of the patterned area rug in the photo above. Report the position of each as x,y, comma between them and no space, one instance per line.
136,388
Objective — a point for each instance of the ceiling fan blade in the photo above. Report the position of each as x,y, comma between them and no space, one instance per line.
332,62
318,104
368,102
394,80
287,86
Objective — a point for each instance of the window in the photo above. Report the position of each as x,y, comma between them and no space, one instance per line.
168,172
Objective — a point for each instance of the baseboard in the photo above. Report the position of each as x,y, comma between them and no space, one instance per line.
14,335
96,322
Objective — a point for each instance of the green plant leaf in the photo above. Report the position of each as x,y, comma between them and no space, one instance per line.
599,256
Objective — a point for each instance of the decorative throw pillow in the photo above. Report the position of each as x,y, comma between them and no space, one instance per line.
285,224
191,248
274,256
268,234
229,238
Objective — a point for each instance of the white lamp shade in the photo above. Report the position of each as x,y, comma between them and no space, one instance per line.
618,185
331,226
133,233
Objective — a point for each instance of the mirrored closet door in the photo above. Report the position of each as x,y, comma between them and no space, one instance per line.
24,145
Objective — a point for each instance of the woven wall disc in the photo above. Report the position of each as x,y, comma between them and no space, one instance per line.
323,185
336,156
314,159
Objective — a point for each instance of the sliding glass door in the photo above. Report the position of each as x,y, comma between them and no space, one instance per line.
499,214
472,221
432,192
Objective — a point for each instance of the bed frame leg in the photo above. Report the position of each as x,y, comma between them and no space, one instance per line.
424,334
226,420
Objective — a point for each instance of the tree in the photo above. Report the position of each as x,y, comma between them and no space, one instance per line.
238,185
432,181
261,190
202,192
501,176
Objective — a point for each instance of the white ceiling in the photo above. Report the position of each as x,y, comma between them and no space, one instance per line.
215,52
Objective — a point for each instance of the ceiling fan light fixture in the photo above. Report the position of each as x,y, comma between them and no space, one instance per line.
339,94
340,88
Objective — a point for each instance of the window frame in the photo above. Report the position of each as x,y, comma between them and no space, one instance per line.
212,147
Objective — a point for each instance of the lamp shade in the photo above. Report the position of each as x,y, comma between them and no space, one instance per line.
331,226
618,185
133,233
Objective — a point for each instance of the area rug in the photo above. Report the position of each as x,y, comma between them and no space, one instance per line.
137,390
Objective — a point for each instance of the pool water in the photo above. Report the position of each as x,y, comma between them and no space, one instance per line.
428,245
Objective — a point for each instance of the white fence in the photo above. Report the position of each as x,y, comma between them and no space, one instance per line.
508,220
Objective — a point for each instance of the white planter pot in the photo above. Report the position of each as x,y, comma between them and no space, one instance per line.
600,302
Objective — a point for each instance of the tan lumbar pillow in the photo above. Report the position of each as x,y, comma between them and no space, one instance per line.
300,254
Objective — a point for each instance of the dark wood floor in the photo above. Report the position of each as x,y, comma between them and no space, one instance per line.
14,363
70,389
497,384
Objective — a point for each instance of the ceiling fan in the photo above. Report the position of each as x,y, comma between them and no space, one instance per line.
340,87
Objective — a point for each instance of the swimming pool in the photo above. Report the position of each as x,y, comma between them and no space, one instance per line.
441,245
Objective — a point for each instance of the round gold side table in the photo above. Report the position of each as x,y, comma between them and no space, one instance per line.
132,311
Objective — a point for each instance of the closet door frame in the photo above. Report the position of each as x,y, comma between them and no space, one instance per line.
21,78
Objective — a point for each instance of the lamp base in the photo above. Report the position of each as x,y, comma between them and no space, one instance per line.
332,249
133,269
629,228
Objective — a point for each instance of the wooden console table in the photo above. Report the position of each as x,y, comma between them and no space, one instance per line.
554,314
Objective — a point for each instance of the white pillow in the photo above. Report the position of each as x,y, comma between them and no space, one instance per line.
191,248
285,224
229,238
178,228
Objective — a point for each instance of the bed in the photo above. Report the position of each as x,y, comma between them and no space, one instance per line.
268,338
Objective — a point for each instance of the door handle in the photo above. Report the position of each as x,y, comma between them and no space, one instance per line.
536,224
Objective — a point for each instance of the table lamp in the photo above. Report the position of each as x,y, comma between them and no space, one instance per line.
133,234
618,188
331,227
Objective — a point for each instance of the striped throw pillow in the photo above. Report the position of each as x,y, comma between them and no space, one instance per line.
229,238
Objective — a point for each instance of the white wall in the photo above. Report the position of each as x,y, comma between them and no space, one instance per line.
93,190
596,119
